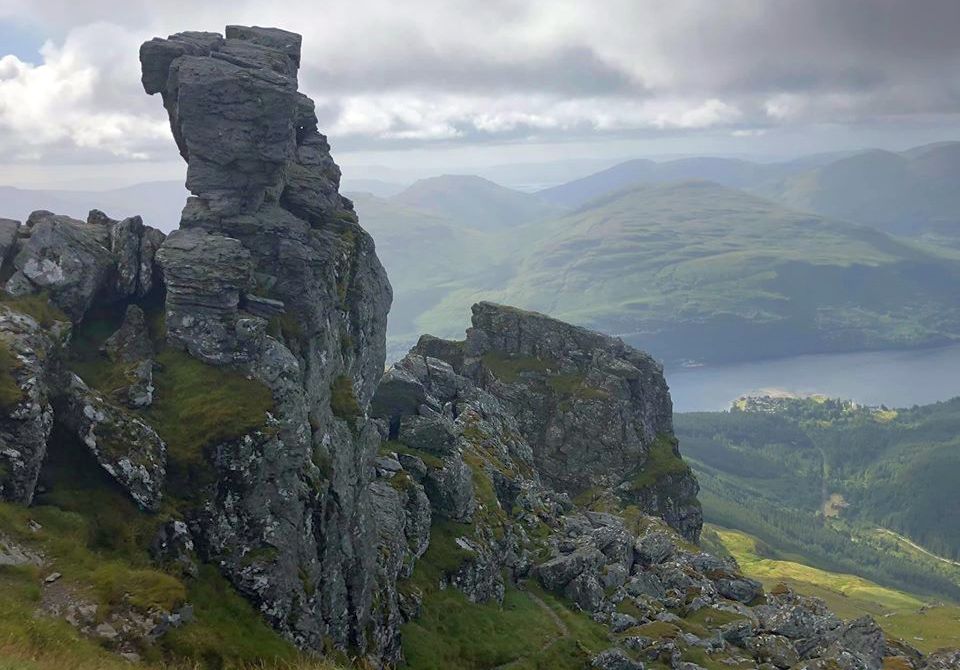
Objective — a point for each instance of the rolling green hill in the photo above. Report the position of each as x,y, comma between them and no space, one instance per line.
429,256
910,193
687,271
843,487
699,271
475,202
923,623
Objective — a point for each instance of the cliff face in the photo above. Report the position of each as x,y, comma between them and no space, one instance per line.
596,412
271,273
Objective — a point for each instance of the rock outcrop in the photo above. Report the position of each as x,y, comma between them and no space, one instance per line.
26,416
595,413
498,431
76,263
270,273
60,268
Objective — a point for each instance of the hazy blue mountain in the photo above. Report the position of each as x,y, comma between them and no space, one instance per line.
377,187
696,270
431,259
726,171
475,202
159,202
915,192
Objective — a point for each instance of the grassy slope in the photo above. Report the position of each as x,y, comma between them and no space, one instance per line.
97,538
900,614
428,257
690,270
894,469
910,193
766,473
699,271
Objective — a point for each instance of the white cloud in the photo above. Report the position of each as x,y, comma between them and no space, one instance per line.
446,71
79,96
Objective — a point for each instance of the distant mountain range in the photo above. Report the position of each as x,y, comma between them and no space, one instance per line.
158,202
708,259
475,202
913,192
697,270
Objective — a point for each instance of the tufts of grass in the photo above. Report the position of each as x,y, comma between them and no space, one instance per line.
65,541
662,460
37,305
227,631
575,385
96,537
508,369
10,392
196,406
530,630
343,400
430,460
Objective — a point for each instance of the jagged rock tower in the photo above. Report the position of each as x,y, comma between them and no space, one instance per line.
271,273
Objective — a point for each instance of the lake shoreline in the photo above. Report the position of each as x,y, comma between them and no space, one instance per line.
890,377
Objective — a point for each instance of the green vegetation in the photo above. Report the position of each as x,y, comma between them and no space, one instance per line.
662,461
709,272
228,631
10,393
94,535
430,460
838,486
195,405
509,369
37,305
343,401
532,629
900,614
575,385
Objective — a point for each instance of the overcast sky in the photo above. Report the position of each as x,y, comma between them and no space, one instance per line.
450,84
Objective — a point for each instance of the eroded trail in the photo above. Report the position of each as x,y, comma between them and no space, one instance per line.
914,545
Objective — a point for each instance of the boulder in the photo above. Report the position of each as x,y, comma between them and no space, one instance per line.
69,259
26,416
8,239
126,447
450,489
614,659
204,275
172,547
131,342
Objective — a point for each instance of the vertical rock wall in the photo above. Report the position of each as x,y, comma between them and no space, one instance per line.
270,272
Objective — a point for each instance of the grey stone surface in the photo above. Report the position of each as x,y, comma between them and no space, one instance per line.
123,444
271,273
25,424
8,239
77,263
590,407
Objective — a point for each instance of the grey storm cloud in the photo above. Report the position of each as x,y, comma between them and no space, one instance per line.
388,73
564,70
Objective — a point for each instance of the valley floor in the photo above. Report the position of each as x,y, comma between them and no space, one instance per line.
925,625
